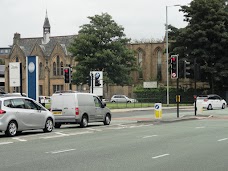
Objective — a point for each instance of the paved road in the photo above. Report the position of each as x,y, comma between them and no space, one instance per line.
189,145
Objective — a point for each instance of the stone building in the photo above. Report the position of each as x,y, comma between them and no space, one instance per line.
53,53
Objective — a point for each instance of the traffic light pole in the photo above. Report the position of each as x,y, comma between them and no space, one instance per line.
195,96
92,82
178,98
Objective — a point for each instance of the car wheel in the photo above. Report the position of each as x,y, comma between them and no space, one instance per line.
11,129
128,101
209,107
84,121
48,125
107,119
113,101
223,106
58,125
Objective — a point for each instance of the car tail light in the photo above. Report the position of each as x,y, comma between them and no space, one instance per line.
2,111
205,100
76,111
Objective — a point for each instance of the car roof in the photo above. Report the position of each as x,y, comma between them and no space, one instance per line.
13,97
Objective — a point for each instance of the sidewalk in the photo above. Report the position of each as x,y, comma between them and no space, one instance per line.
166,118
148,108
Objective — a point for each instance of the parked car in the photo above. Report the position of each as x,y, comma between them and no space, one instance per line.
211,101
44,99
20,113
122,99
80,108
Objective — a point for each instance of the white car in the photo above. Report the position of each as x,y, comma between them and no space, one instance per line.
122,99
211,101
20,113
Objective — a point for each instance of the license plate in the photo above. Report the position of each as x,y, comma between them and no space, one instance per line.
57,113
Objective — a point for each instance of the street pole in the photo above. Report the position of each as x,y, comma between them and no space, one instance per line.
167,53
195,96
167,57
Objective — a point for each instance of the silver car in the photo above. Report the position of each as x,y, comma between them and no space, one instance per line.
122,99
18,114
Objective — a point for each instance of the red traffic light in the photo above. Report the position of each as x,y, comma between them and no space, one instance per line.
173,59
66,70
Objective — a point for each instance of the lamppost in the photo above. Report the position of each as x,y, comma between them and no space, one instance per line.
167,51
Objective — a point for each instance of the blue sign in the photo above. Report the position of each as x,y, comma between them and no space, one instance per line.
32,77
156,106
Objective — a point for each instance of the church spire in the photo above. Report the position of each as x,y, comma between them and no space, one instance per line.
46,22
46,30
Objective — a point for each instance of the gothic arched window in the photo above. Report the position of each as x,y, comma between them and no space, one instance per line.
54,68
61,69
140,63
17,59
159,65
40,69
58,66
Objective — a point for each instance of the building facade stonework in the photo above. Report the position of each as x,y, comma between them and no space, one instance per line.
53,55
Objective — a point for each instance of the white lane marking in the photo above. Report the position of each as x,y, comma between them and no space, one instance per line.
3,143
163,155
224,139
200,127
149,136
61,135
91,129
18,139
61,151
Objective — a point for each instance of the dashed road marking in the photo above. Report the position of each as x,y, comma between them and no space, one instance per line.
4,143
149,136
19,139
163,155
224,139
64,135
200,127
91,129
61,151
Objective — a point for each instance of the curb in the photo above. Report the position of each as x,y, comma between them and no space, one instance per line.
171,120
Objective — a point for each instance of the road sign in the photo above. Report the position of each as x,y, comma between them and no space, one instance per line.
158,110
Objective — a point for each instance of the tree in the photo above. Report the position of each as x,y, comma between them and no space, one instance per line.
101,45
206,39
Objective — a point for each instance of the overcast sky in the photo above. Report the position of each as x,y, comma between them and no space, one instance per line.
141,19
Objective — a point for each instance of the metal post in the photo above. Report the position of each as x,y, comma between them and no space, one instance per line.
195,85
92,82
177,98
167,57
21,79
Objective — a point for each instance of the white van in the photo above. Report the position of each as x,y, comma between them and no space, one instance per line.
80,108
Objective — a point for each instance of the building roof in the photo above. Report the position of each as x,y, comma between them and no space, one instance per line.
27,44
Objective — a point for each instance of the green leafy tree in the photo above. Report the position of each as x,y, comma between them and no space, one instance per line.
206,39
101,45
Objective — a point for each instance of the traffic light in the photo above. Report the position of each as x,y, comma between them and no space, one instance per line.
97,79
174,66
67,75
187,69
88,80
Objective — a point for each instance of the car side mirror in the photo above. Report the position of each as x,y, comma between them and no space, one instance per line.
103,105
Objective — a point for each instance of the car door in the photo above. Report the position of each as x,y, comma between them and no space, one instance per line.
99,110
123,99
36,114
26,114
218,102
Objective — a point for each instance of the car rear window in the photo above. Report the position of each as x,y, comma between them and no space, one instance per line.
201,97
